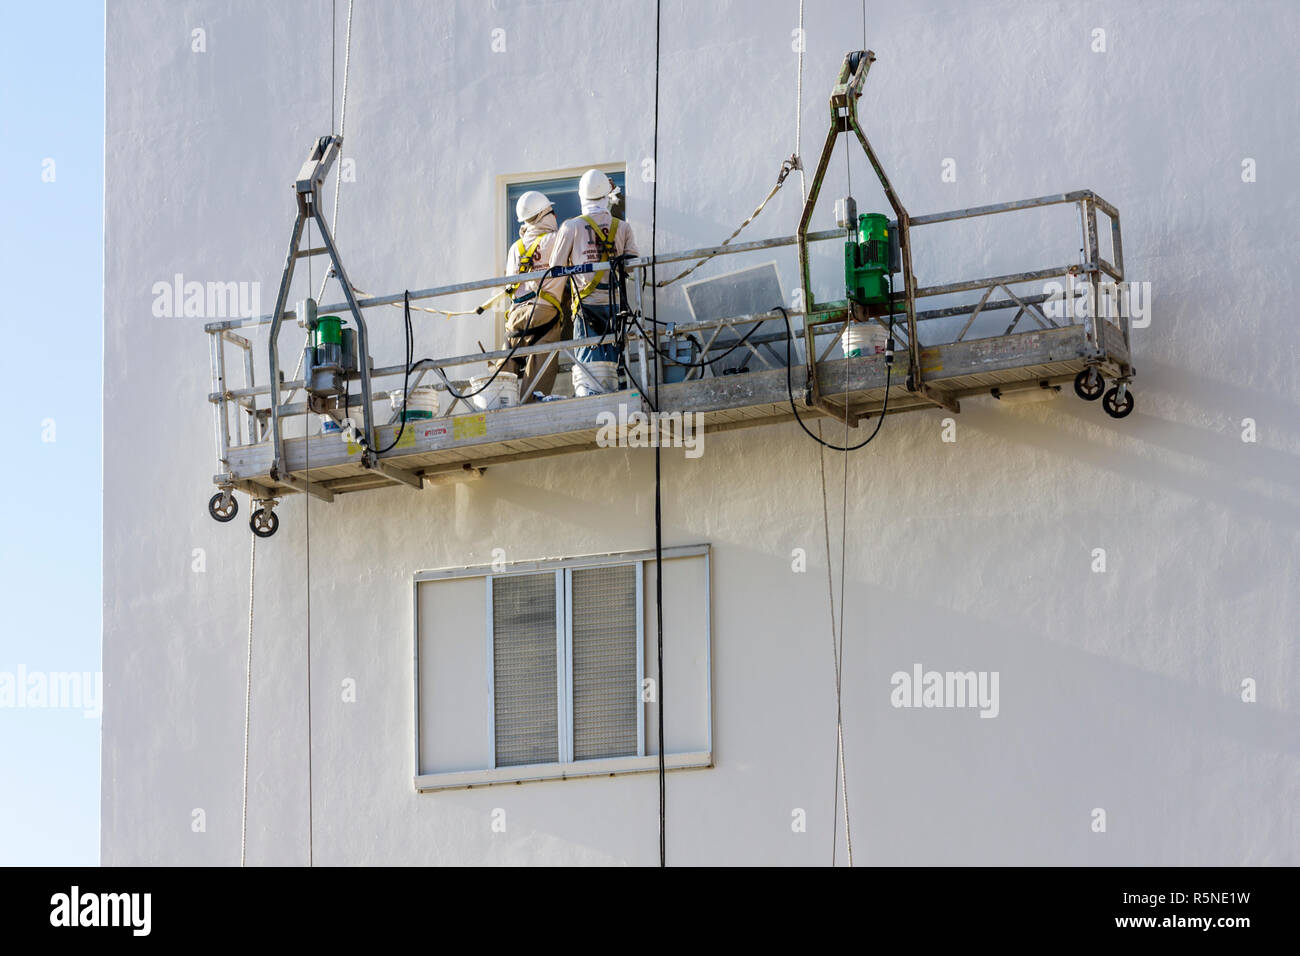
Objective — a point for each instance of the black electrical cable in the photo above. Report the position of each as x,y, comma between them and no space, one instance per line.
789,385
659,534
513,349
406,375
620,316
625,317
705,364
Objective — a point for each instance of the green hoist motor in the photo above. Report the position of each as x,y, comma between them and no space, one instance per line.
330,355
866,261
328,332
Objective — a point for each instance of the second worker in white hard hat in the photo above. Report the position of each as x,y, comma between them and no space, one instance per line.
592,237
536,314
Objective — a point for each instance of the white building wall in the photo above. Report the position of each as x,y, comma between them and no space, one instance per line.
1119,690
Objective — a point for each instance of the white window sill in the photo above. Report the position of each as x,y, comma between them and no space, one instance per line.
560,771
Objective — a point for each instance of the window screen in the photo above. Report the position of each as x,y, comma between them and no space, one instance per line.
524,669
605,690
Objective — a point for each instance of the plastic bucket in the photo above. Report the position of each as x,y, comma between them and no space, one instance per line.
595,378
422,402
863,338
502,393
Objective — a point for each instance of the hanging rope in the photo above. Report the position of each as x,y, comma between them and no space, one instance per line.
311,803
659,534
443,312
837,660
248,701
798,109
338,175
343,122
786,166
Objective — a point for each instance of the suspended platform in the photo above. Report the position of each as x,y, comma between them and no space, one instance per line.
1045,337
461,446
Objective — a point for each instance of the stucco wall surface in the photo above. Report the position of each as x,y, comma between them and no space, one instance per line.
1120,690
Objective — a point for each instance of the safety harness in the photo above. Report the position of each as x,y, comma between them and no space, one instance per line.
527,253
532,334
605,243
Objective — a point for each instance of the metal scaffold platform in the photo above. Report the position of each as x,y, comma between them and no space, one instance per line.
1049,327
1033,352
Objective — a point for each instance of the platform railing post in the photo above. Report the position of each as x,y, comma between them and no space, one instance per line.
363,340
1117,253
1094,274
273,340
220,421
646,382
251,411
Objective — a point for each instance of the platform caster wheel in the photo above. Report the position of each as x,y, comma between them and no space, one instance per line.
1114,407
223,511
1089,385
264,523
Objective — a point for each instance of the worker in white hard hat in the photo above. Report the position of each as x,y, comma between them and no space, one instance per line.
594,236
536,314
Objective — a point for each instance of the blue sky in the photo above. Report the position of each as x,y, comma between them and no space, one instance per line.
51,253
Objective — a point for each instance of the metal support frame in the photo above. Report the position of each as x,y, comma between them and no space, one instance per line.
307,193
844,118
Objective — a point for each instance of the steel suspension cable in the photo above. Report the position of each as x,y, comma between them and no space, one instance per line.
248,700
659,538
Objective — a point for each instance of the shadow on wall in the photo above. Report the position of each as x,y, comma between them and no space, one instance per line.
1217,478
1177,765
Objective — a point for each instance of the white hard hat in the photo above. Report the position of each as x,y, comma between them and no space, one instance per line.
530,205
594,185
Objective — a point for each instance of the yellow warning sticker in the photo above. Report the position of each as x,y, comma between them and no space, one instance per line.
930,361
469,426
407,438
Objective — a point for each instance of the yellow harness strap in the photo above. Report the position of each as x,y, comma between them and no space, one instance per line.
526,255
606,244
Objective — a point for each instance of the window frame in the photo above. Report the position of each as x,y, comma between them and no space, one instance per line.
642,762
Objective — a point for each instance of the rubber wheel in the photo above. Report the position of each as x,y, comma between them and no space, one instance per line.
1089,391
1111,403
264,523
219,513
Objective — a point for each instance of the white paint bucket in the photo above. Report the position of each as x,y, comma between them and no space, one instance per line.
422,402
863,338
328,426
502,393
595,378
